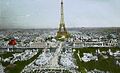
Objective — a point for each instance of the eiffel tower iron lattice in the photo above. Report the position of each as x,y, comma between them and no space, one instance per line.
62,31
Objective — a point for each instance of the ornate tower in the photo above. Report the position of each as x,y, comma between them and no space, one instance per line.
62,32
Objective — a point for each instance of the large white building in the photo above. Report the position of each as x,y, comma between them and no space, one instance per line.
94,42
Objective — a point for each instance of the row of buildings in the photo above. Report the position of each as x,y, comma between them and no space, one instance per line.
81,40
26,39
35,39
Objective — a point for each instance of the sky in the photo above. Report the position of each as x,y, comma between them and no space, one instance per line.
46,13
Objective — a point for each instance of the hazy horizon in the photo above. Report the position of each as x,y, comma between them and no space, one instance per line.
37,14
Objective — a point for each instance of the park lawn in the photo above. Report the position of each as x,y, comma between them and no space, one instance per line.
93,50
79,63
7,54
19,65
102,64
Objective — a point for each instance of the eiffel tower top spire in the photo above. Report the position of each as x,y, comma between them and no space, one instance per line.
62,23
62,13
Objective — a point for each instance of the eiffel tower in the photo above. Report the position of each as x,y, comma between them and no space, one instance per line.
62,32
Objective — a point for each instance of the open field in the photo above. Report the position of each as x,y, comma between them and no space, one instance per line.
103,64
7,54
19,65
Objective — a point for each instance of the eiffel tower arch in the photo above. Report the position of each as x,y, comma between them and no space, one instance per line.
62,31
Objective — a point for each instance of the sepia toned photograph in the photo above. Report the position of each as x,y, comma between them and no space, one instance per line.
59,36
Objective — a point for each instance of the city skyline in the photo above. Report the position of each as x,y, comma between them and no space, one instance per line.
46,13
